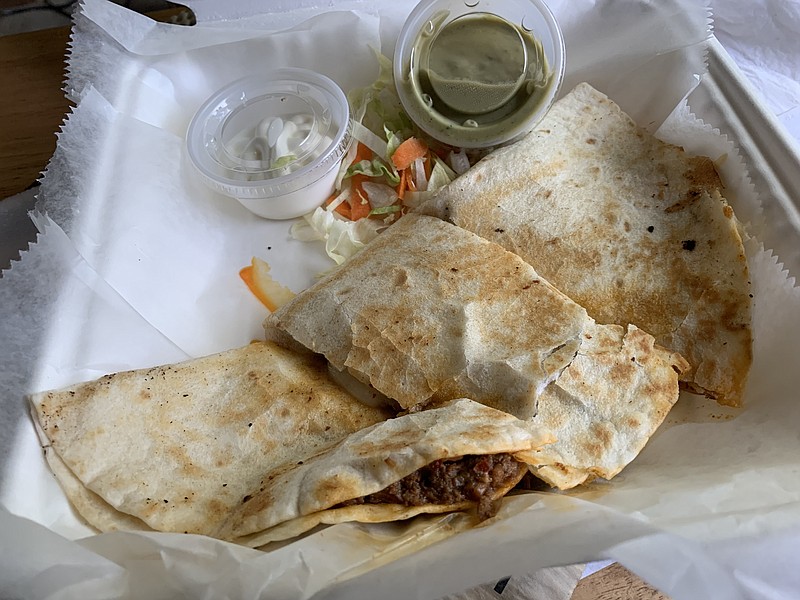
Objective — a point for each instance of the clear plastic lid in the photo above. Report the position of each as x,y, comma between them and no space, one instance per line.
271,134
478,73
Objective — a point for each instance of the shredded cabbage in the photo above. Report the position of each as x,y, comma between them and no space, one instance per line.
380,123
393,140
343,238
374,168
379,194
441,175
459,161
370,139
420,178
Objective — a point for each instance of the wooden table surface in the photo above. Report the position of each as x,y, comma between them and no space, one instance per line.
32,75
32,69
32,72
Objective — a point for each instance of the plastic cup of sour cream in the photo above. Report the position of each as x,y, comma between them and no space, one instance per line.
273,141
479,73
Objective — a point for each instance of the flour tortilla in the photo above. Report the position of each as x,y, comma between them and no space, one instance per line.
600,432
91,507
175,448
428,312
632,229
290,501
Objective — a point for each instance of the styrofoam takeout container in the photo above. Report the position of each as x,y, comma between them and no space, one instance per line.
273,141
724,100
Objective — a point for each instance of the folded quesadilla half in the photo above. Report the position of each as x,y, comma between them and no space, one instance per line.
461,455
633,229
176,448
429,312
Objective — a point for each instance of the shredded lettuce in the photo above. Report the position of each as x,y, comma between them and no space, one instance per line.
381,124
441,174
385,210
393,140
370,139
374,168
343,238
378,106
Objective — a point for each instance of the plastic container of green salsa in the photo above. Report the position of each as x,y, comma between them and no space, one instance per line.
479,73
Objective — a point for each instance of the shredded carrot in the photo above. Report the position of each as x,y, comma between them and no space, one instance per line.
343,208
362,153
409,151
401,188
359,204
269,292
247,276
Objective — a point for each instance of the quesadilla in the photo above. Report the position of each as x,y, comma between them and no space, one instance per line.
603,410
428,312
175,448
461,455
633,229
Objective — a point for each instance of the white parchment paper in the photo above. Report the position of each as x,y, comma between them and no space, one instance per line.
137,265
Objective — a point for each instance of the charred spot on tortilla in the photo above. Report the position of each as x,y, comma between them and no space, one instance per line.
482,480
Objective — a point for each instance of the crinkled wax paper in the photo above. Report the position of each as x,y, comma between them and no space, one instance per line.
137,264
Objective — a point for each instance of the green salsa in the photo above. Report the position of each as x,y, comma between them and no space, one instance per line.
475,77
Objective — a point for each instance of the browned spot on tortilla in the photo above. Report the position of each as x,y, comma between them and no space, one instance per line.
335,489
549,169
703,174
591,141
602,434
633,422
217,510
400,277
621,372
691,197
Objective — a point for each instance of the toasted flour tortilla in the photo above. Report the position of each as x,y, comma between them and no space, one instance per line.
632,229
294,499
428,312
175,448
598,433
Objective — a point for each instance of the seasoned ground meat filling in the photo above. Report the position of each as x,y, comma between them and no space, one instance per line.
450,481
